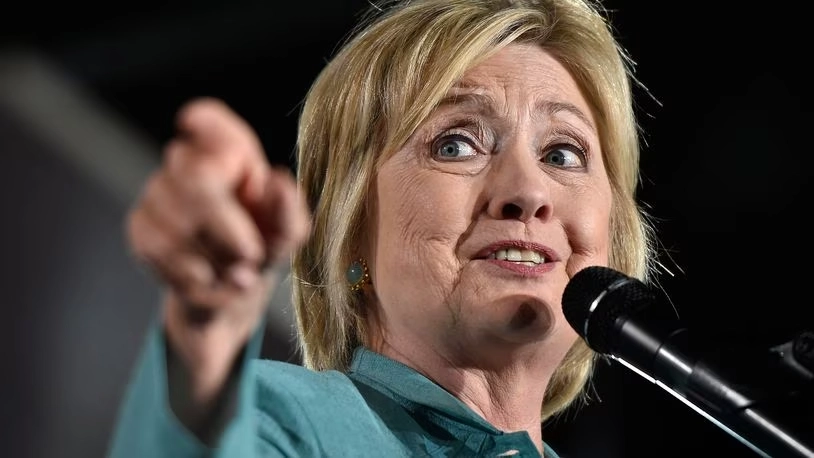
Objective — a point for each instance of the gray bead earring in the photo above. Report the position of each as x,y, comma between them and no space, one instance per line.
357,275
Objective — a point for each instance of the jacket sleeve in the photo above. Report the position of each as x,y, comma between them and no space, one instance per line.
147,427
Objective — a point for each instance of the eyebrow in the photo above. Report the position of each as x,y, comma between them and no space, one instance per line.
485,104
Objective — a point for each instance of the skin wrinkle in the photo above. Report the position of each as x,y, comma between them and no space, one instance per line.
482,104
582,251
456,312
415,235
486,334
498,389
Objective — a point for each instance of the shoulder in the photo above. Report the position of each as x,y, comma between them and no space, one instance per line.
324,398
276,377
300,410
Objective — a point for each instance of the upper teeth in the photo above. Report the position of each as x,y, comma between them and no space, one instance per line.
518,255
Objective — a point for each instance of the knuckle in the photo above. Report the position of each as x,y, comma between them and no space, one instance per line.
190,168
187,163
157,247
154,187
177,157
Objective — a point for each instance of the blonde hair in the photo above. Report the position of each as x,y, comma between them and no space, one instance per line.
383,84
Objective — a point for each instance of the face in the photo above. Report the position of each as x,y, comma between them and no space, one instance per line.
486,212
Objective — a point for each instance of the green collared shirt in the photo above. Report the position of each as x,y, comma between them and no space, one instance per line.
379,408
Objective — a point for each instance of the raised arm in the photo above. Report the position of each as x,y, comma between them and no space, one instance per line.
213,223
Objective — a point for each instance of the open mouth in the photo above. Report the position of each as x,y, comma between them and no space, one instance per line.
518,255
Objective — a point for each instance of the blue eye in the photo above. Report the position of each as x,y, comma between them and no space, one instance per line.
454,148
565,156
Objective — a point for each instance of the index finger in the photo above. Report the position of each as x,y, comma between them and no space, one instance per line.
215,136
211,123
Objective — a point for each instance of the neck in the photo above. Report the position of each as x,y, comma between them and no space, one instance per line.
510,402
504,386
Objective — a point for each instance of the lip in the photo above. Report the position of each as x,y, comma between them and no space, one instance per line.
548,253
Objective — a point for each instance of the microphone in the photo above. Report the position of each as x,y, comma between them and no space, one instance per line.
752,397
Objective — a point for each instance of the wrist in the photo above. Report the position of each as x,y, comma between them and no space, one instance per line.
205,348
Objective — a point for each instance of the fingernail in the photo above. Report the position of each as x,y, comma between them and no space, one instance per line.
243,276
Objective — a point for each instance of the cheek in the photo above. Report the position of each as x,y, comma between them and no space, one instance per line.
417,230
404,214
588,233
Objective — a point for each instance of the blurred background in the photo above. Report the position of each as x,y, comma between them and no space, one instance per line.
88,94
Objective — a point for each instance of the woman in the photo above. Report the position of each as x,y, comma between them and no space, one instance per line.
462,160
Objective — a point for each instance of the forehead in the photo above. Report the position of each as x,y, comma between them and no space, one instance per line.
521,62
525,70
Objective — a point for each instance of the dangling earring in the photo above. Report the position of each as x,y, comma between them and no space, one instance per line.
357,275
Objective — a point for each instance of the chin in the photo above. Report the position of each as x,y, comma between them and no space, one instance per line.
524,319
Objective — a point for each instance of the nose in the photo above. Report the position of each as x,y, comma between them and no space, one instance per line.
517,188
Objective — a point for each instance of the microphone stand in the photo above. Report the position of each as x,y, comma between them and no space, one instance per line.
772,414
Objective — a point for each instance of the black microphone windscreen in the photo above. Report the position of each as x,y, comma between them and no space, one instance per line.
592,283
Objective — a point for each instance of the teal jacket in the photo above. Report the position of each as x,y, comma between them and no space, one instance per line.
379,408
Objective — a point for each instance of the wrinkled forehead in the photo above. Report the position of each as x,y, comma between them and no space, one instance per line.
413,97
520,78
520,73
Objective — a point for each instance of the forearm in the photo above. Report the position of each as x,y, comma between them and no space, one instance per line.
208,420
156,420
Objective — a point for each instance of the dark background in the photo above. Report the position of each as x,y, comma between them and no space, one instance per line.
726,121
